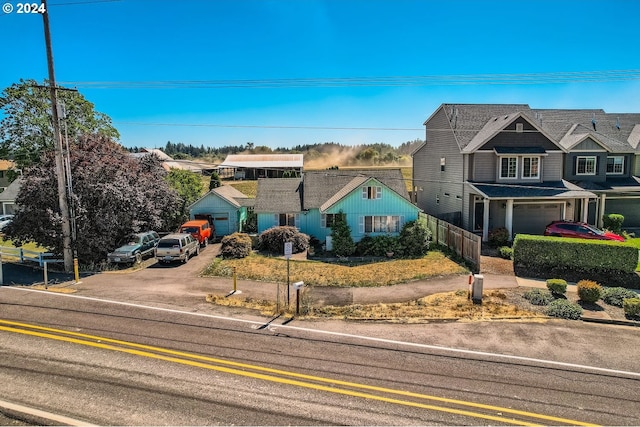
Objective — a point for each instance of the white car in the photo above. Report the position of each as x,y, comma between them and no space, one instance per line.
5,220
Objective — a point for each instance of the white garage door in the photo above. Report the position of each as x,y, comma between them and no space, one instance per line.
533,218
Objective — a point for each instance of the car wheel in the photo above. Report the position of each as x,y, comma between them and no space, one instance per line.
197,250
138,258
186,258
206,242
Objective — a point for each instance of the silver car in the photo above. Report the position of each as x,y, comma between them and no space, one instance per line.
177,247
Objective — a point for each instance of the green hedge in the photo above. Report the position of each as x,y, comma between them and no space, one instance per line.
579,253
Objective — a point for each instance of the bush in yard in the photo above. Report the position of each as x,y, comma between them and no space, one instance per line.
273,240
236,245
414,239
589,291
557,286
498,237
613,222
615,296
505,252
538,296
378,246
631,307
342,241
564,309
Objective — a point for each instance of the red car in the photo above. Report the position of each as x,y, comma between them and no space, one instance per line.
580,230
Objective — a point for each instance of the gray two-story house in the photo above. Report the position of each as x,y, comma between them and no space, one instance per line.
486,166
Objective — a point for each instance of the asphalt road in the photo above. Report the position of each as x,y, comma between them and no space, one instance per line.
570,370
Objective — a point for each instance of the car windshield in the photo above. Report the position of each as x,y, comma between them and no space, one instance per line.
190,229
594,230
132,240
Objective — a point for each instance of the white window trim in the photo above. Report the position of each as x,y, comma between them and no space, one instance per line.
595,165
500,167
537,176
362,221
377,195
621,165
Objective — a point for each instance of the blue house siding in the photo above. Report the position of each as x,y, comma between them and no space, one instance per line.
227,217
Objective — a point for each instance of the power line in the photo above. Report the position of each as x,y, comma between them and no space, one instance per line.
265,126
385,81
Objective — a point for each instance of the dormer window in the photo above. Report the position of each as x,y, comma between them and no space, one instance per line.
586,165
615,165
508,167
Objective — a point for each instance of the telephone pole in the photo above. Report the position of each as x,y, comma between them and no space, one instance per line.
62,185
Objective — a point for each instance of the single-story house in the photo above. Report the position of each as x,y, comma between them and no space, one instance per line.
374,202
254,166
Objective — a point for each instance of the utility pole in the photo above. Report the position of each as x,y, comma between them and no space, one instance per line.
62,185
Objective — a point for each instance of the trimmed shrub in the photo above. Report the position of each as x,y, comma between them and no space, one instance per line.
414,239
378,246
343,244
631,307
538,296
589,291
505,252
615,296
613,222
564,309
236,245
273,240
498,237
557,286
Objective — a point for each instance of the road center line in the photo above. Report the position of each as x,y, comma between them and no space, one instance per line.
204,362
628,374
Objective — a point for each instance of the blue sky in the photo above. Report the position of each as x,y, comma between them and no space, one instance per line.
108,48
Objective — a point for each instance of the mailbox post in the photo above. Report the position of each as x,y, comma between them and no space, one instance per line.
297,286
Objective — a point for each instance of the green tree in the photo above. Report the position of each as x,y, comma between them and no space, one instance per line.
26,131
188,185
341,239
215,181
114,195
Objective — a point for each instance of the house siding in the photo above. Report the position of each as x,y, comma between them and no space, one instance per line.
434,184
354,206
219,208
570,166
552,167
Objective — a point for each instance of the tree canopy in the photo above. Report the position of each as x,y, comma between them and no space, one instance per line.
26,131
114,194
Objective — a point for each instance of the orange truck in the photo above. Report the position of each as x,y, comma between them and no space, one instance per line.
200,229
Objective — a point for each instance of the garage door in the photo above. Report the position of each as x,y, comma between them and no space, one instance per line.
533,218
221,221
630,208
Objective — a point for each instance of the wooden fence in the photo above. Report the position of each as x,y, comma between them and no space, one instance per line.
465,243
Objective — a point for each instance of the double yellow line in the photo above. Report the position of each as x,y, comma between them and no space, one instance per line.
285,377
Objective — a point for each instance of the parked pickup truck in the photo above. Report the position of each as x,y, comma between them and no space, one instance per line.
177,247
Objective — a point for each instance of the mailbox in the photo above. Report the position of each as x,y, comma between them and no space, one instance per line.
298,285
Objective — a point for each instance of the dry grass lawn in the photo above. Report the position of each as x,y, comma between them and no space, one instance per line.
274,269
496,304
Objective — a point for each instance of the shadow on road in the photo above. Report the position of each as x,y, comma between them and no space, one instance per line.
25,274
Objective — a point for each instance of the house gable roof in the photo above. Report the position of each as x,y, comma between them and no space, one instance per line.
228,193
474,124
322,186
11,192
279,195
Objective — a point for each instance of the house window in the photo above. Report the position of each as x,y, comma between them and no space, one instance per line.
508,167
519,127
380,224
285,219
328,220
442,163
531,167
372,192
586,165
615,165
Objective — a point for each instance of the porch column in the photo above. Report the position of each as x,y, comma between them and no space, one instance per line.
585,210
485,220
508,220
600,210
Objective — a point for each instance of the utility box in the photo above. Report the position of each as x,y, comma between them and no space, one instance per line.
476,292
